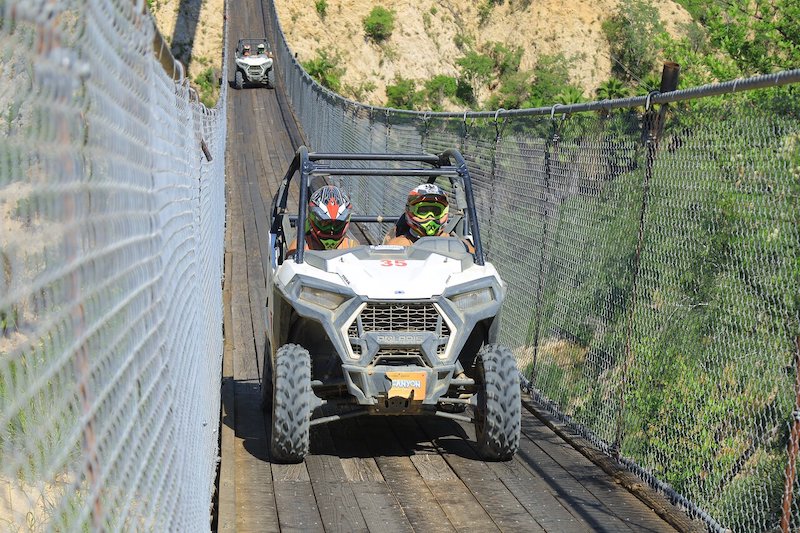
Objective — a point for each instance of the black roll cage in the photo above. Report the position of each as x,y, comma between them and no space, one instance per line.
450,164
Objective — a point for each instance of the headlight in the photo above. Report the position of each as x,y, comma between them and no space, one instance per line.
468,300
322,298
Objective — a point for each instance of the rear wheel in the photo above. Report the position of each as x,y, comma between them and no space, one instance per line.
238,80
498,413
291,404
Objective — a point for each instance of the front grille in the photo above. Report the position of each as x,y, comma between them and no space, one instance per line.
403,317
254,70
399,318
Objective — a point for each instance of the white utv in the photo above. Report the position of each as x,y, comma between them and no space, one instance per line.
254,63
385,330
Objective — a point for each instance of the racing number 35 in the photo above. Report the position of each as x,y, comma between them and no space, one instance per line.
393,262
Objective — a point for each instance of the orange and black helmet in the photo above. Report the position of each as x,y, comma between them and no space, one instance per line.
329,211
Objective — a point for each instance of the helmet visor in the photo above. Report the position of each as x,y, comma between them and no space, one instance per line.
427,210
331,227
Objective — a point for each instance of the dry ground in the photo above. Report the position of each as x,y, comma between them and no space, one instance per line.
423,43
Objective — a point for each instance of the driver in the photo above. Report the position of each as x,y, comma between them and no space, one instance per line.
328,219
261,49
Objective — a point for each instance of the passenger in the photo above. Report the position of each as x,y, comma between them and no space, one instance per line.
246,50
425,216
327,221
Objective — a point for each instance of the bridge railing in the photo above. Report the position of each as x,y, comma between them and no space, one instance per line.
111,248
650,246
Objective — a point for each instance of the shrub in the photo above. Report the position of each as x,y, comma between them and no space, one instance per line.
402,94
325,69
322,7
207,88
632,32
378,25
440,87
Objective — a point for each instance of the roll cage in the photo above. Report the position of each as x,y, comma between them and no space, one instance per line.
449,164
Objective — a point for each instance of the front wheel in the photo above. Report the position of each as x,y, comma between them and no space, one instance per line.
498,413
291,404
271,78
238,79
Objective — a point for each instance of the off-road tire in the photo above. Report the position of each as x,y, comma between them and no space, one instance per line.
271,78
291,404
498,413
238,79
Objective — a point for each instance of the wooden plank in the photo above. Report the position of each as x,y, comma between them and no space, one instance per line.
355,457
417,501
338,506
618,500
412,493
433,467
461,507
380,509
323,463
297,507
572,495
255,498
495,498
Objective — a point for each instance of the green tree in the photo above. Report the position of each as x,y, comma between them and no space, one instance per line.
438,88
378,25
570,95
476,67
402,94
550,78
631,33
612,89
325,69
514,93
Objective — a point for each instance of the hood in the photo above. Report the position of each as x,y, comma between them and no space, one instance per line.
391,279
255,61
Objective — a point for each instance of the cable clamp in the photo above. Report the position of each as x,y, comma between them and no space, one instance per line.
649,97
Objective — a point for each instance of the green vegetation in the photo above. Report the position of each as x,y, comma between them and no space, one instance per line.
207,87
629,32
378,25
326,70
438,89
322,8
402,94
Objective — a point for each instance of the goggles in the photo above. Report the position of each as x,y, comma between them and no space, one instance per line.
427,210
331,227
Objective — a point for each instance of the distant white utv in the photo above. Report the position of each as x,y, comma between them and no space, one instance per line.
254,63
383,329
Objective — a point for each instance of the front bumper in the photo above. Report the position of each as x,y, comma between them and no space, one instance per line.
392,388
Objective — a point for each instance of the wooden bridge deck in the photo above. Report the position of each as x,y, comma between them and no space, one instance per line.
371,473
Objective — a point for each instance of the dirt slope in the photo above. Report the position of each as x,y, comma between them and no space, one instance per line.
423,42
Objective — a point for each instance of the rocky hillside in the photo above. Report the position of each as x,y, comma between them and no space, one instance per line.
430,35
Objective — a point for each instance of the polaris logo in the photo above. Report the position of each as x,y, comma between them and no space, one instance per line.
400,339
407,383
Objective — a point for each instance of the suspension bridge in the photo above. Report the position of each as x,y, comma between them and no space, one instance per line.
649,245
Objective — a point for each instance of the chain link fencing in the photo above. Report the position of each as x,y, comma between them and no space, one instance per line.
650,246
111,254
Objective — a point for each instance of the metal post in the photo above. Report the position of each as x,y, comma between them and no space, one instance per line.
653,126
794,446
